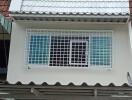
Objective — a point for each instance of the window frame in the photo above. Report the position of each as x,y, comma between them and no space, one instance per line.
54,31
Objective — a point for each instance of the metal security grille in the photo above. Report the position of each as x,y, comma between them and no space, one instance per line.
100,50
70,48
61,52
78,52
38,49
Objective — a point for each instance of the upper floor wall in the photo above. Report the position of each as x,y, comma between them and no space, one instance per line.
71,6
60,66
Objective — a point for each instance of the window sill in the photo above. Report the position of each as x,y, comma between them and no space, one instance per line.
41,67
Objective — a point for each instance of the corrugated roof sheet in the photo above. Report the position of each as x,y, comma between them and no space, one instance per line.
59,84
78,17
72,10
70,13
76,6
50,92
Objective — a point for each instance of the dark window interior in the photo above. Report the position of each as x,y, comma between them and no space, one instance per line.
60,50
78,52
4,53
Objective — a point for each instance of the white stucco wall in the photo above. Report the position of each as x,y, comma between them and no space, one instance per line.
18,71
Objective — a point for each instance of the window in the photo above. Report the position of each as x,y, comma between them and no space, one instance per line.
100,50
70,48
38,49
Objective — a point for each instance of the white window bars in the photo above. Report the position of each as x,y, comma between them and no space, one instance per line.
66,48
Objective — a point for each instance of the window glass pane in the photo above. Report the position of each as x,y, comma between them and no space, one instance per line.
100,50
38,49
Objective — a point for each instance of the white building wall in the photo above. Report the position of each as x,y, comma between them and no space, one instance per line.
121,58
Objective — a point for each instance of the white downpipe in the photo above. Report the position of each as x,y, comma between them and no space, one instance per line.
130,33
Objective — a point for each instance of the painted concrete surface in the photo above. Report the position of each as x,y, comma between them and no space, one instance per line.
121,57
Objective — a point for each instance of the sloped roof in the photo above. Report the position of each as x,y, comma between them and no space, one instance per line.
50,92
73,6
71,10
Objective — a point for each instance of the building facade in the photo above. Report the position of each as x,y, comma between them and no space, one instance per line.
70,41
